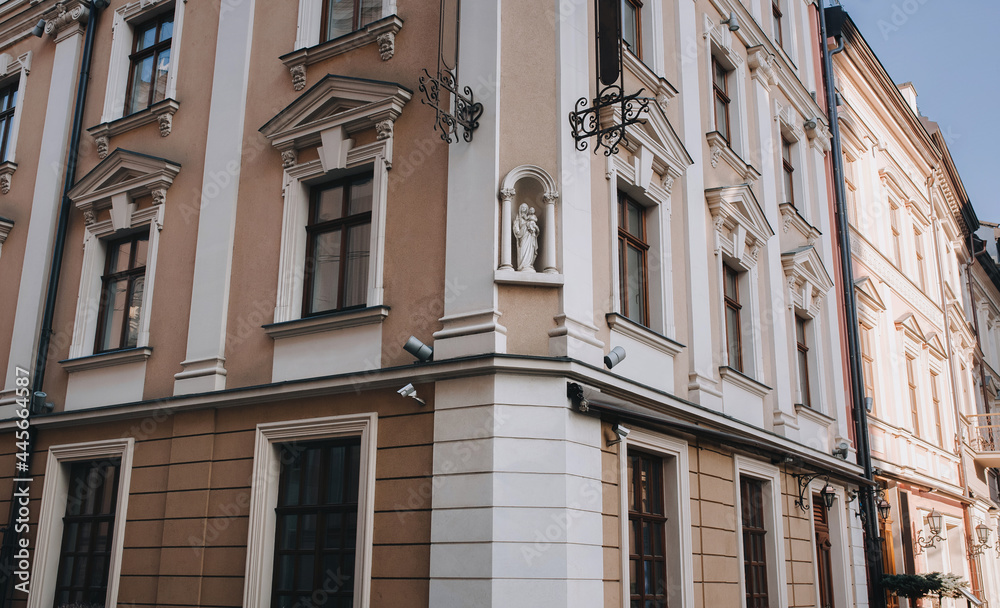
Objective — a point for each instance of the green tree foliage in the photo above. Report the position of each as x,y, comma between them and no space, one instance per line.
916,586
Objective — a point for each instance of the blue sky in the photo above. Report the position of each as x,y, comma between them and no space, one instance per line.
945,47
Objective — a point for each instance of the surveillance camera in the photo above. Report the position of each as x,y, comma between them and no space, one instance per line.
621,431
843,445
418,349
614,357
39,28
732,22
811,124
407,391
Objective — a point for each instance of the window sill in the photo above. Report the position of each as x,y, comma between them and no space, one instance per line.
108,359
721,149
327,322
744,381
813,415
7,169
625,326
162,112
539,279
382,31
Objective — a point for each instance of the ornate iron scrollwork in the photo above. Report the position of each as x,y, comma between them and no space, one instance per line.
467,109
586,121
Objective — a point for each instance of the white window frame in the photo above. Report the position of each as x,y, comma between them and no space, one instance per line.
776,575
840,562
50,522
9,67
719,42
264,498
676,467
126,18
310,21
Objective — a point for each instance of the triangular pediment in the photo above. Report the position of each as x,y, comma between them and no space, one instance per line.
737,206
123,172
935,344
353,104
868,293
805,263
908,323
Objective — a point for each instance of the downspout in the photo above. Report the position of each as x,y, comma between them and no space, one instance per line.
10,536
867,495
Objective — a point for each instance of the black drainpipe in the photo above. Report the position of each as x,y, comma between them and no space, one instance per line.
873,549
10,535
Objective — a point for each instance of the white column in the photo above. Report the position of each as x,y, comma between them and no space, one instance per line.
46,200
471,320
204,364
703,387
549,248
505,228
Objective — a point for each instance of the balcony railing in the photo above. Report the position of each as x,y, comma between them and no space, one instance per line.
984,438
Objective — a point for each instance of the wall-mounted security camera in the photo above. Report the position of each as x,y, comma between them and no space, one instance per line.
869,404
841,450
39,30
732,22
409,391
418,349
614,357
621,431
811,124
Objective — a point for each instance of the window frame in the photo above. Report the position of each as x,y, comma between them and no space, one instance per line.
9,119
935,379
735,307
53,506
324,34
131,275
802,359
751,560
675,456
913,392
774,524
895,233
721,95
868,364
264,498
154,51
654,519
311,29
341,224
640,243
637,7
776,18
788,170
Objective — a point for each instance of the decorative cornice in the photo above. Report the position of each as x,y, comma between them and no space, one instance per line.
322,323
720,149
761,64
6,173
71,16
109,359
161,112
865,253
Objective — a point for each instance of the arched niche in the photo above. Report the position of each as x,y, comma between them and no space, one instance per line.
530,186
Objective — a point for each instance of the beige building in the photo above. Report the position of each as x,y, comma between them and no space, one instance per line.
911,222
265,210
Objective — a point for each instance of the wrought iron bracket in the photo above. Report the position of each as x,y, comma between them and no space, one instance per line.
586,121
976,549
925,543
804,481
467,109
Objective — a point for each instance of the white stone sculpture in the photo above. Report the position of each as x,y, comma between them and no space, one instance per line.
526,231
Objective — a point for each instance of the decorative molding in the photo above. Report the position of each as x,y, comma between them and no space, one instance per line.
546,242
289,158
383,32
383,129
720,148
741,227
161,112
660,88
6,173
509,276
807,278
791,218
622,325
6,225
761,64
108,359
63,24
865,253
743,381
329,322
788,119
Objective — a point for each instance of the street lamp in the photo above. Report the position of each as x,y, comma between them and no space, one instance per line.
983,534
828,494
934,523
883,509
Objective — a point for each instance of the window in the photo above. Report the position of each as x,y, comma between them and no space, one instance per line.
868,364
776,22
315,515
911,381
647,531
918,248
720,86
149,63
824,561
342,17
936,399
317,518
632,268
88,526
632,26
789,169
339,240
122,288
754,543
8,106
802,352
731,282
894,226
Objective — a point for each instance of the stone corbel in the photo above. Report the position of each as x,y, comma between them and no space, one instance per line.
159,196
716,154
166,121
6,172
103,142
383,129
289,158
761,65
298,73
386,45
76,14
819,137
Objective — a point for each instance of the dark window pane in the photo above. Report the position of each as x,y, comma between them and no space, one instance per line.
326,272
630,26
361,196
356,271
167,30
114,295
142,74
371,10
647,560
162,66
329,204
340,18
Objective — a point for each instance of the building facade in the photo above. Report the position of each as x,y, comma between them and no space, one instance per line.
623,381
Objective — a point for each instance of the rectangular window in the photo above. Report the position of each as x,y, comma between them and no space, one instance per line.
936,399
341,17
731,280
789,170
918,247
647,532
776,22
868,364
720,86
88,525
754,543
632,26
894,221
317,522
802,352
122,289
633,271
338,244
8,104
150,62
824,561
911,381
